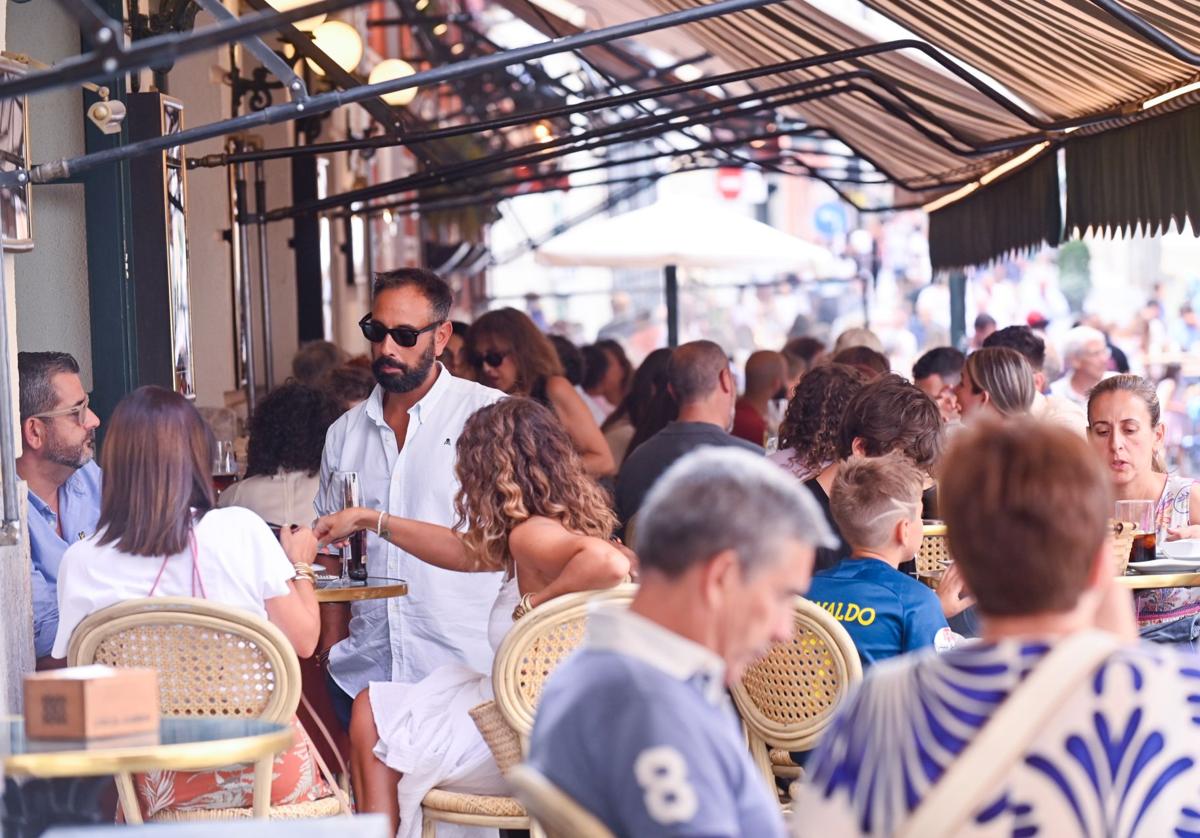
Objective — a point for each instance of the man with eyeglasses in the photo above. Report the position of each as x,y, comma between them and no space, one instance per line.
58,435
401,442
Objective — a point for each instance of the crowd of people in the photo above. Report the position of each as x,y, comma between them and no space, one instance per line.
500,468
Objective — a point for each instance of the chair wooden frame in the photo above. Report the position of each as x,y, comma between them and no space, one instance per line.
555,810
934,554
775,697
102,637
524,661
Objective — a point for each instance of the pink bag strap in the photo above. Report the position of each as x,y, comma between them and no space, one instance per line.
197,579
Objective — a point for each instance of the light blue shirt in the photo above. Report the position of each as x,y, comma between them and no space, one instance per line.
444,617
79,509
637,727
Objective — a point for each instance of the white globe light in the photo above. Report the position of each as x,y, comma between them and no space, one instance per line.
389,69
341,42
306,25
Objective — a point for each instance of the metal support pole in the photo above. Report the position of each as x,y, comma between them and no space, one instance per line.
242,259
99,28
10,526
671,292
958,309
264,274
322,103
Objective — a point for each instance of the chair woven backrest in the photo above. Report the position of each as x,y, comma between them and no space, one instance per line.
934,554
536,645
553,809
788,698
212,660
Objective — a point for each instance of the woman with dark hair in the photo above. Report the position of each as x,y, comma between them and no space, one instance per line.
808,435
159,535
1125,429
525,506
287,436
634,410
510,353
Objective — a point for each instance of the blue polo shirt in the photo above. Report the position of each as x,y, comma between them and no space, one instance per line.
885,612
79,509
637,727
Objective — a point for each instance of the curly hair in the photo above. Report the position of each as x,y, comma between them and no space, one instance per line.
514,462
814,414
287,432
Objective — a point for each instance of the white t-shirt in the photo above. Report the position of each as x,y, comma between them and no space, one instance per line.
240,562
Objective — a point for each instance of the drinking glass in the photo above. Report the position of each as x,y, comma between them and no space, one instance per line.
346,487
1141,514
224,464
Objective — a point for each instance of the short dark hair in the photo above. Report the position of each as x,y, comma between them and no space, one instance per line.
595,366
694,370
348,384
944,361
891,414
983,321
287,431
431,286
35,371
457,327
575,362
1023,340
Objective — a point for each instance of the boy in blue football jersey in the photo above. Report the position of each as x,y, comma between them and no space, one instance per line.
637,725
876,503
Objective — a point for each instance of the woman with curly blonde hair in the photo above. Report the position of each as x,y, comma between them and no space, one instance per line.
525,506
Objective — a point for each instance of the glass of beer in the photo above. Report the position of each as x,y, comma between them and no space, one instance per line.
1140,513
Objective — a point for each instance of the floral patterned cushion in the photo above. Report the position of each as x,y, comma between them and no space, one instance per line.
295,779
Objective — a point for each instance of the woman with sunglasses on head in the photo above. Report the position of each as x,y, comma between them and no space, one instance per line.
159,534
526,507
511,354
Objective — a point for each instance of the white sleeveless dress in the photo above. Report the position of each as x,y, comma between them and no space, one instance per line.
426,734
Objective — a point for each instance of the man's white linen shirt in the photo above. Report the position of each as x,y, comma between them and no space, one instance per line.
443,619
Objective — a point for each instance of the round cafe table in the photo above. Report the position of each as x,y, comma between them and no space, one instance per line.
376,587
59,793
1147,581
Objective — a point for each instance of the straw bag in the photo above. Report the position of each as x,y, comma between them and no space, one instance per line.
504,742
1004,739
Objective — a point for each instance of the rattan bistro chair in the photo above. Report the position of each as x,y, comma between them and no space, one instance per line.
556,811
535,645
934,554
212,660
787,699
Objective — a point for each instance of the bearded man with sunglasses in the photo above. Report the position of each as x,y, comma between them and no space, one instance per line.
401,442
58,447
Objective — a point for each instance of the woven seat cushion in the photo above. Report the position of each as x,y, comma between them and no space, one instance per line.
472,804
326,807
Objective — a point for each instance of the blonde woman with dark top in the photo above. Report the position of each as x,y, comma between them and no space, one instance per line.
995,382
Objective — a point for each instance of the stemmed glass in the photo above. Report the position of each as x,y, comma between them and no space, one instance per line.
346,485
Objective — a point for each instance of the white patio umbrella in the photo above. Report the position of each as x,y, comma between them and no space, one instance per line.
674,233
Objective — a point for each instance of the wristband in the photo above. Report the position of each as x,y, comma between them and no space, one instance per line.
523,607
380,530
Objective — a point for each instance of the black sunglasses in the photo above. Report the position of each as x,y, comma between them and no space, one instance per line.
491,359
375,331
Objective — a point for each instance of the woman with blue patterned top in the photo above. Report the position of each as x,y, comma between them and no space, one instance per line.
1118,756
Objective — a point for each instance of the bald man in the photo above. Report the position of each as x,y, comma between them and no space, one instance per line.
766,379
699,379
